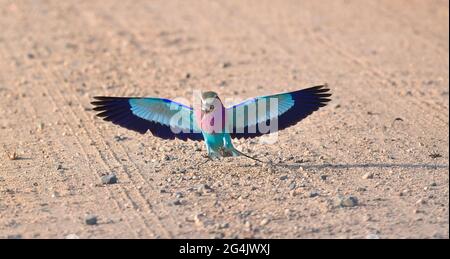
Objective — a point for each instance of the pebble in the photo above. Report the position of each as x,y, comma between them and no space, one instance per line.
292,185
287,212
264,222
349,201
72,236
177,202
368,176
202,188
109,179
248,225
421,201
313,194
199,218
224,225
219,235
284,177
372,236
323,177
120,138
90,220
361,189
226,64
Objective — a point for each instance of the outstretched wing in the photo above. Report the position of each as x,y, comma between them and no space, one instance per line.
251,118
164,118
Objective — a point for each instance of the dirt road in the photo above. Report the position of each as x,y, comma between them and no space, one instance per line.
384,138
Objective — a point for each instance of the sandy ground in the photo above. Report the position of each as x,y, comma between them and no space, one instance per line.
383,139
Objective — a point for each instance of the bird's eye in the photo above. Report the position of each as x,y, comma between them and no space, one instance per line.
211,107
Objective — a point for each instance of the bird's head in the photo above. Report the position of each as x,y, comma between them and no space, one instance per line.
210,102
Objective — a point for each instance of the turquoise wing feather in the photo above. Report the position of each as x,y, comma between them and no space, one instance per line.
162,117
268,114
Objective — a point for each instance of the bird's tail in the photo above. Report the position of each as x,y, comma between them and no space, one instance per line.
253,158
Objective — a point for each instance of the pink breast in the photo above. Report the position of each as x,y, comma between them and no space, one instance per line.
213,122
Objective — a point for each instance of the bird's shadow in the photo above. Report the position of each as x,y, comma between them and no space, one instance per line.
367,165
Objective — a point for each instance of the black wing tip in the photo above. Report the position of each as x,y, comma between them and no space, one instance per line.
319,88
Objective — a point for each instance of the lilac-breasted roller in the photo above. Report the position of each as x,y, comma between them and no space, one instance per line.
209,120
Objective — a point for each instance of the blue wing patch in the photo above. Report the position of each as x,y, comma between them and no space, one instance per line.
164,118
246,119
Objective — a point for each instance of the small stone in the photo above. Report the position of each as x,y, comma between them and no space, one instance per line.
292,185
226,64
313,194
224,225
59,167
248,225
219,235
120,138
349,201
109,179
177,202
368,176
404,192
264,222
287,212
323,177
421,201
72,236
372,236
90,220
199,218
284,177
433,184
202,188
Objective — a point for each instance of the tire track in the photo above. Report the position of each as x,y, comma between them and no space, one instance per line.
70,129
83,148
352,59
139,171
136,191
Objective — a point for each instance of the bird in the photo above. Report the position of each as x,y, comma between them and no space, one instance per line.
209,120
